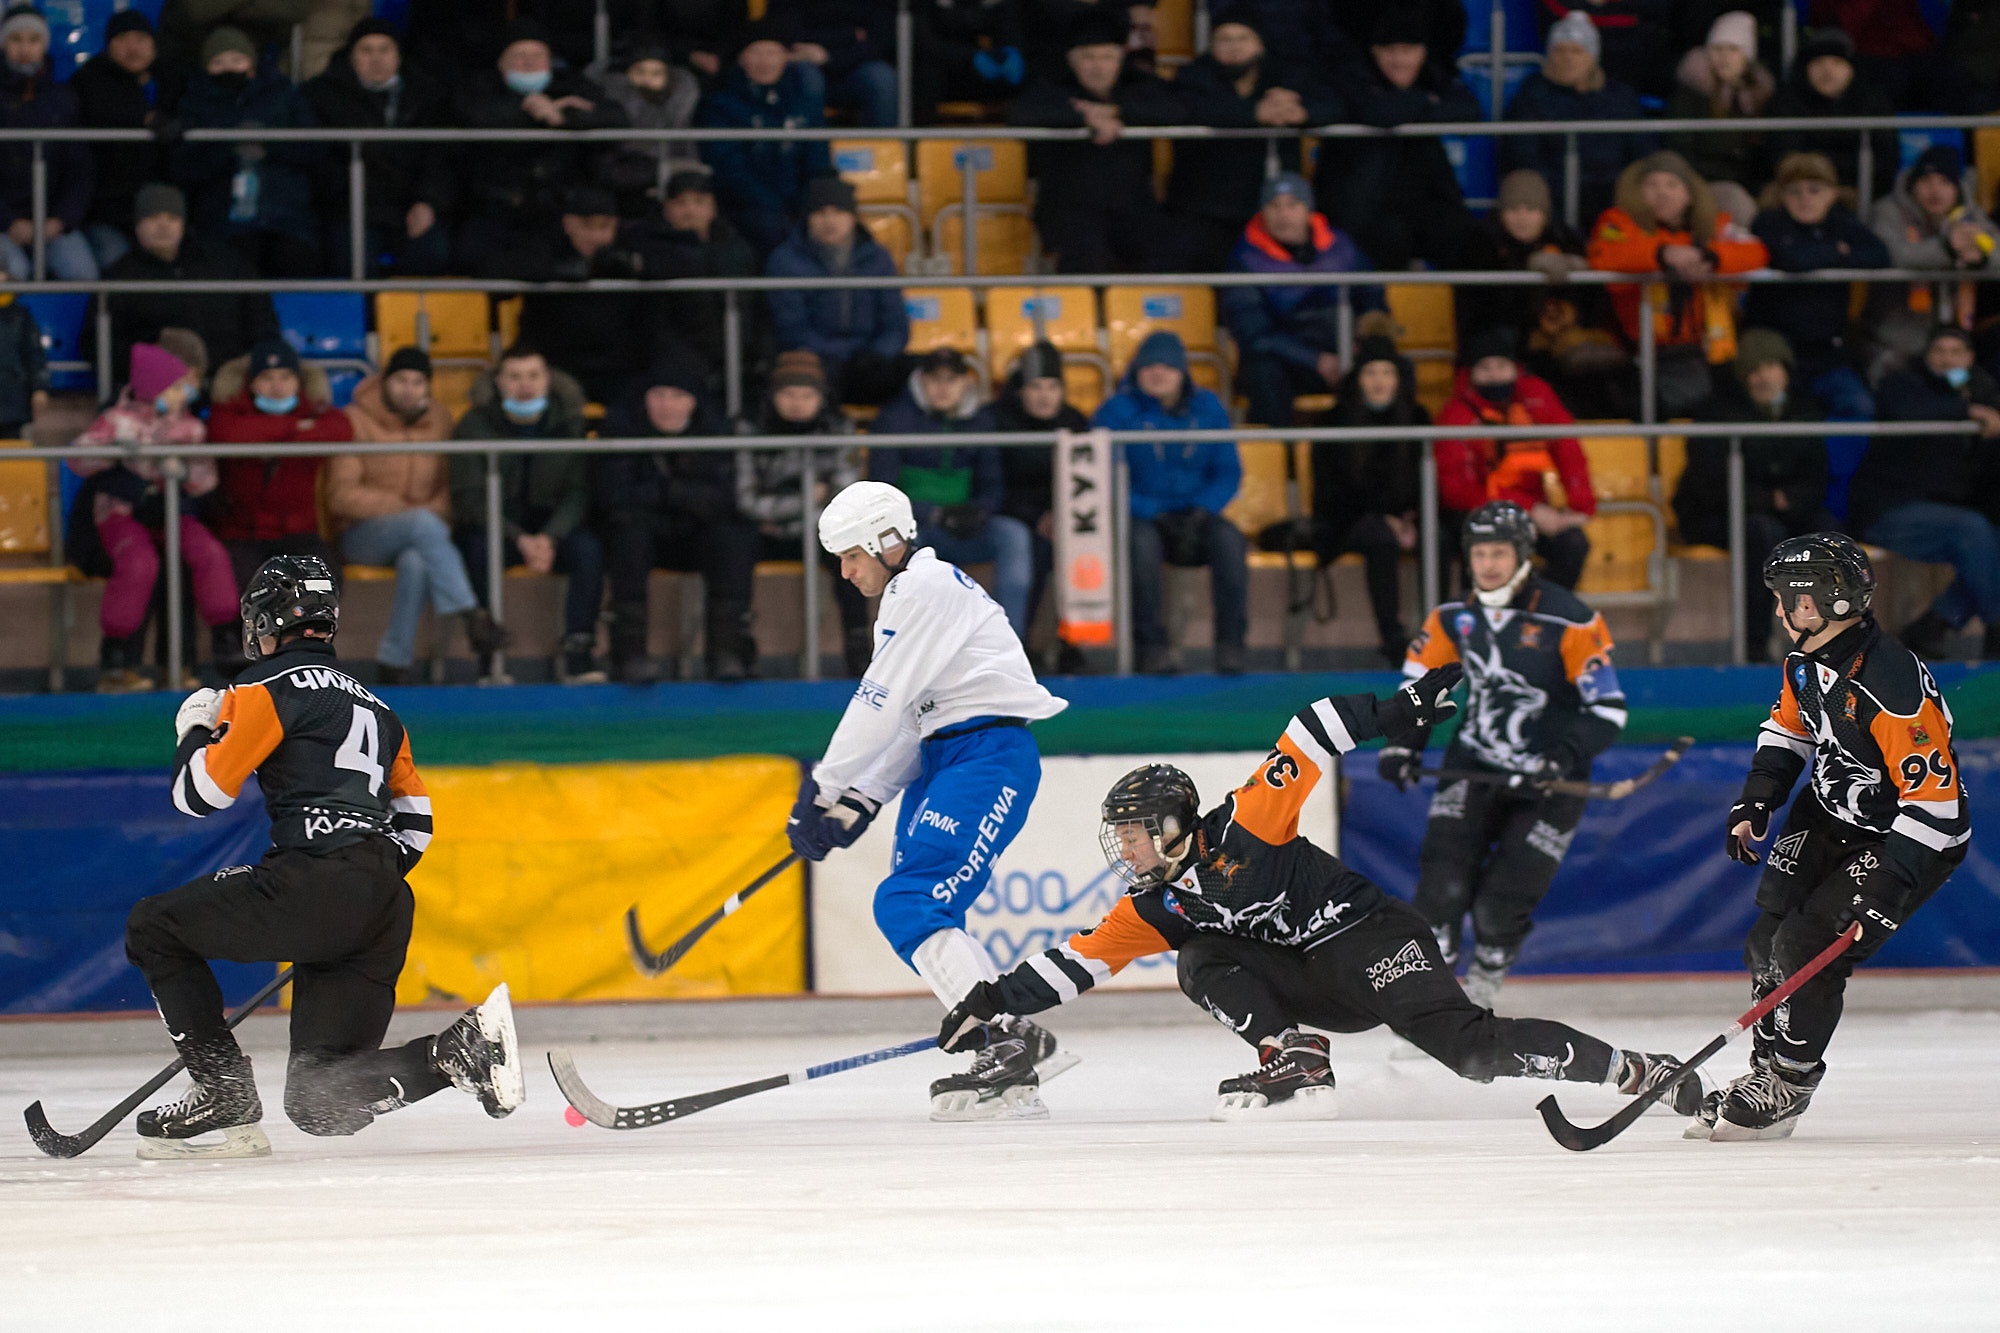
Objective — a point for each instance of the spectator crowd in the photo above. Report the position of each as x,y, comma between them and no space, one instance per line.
1681,213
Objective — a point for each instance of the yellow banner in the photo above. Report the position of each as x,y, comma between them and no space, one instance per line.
533,867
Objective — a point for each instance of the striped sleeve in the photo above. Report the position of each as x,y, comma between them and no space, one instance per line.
1432,648
210,767
1057,976
409,807
1267,806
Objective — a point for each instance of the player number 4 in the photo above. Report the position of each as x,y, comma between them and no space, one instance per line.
361,751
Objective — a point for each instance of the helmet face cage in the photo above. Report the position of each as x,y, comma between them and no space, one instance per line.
1168,839
1830,566
1500,521
287,593
1162,801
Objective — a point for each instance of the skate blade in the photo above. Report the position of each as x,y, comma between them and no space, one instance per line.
237,1141
1306,1104
496,1025
1699,1129
1726,1132
1059,1063
1010,1104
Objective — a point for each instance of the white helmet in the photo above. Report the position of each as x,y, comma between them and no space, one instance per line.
863,515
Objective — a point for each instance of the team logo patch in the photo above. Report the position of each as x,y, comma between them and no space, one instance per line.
1531,635
1862,866
1546,1066
1548,840
1449,803
1920,734
1799,677
1785,855
1465,622
1410,958
868,692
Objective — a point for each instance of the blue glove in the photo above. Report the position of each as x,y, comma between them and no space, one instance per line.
848,818
987,67
808,830
1012,68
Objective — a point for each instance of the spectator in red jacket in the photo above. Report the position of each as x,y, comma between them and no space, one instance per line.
1549,478
269,506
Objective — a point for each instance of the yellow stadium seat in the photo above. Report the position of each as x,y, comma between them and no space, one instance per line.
1673,462
459,322
878,169
1260,497
1131,313
1621,547
1619,466
507,317
1986,161
1173,29
1003,242
941,317
24,504
999,175
1426,314
452,387
1068,317
892,231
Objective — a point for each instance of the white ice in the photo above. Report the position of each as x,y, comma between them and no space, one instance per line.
1431,1203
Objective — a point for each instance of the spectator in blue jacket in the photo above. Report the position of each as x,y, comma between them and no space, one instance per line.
1178,494
256,196
857,333
1572,86
1288,338
762,185
30,98
956,494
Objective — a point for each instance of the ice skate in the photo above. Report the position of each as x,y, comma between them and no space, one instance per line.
1703,1124
480,1055
1635,1074
1044,1048
1767,1104
1001,1084
1294,1081
1483,976
223,1100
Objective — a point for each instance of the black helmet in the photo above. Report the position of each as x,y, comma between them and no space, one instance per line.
287,593
1829,565
1161,799
1499,521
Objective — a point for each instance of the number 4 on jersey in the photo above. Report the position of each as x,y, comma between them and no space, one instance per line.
361,751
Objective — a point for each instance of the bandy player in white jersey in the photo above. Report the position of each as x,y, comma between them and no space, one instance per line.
941,716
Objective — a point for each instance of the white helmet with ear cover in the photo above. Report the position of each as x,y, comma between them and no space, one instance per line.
864,515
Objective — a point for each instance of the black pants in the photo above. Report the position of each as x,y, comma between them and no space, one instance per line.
725,553
1492,851
1371,537
579,554
1271,382
1384,970
1806,883
342,919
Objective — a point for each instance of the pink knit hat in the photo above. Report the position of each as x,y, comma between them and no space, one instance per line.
154,371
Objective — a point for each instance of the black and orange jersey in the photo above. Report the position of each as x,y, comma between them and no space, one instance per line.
1867,715
332,759
1538,676
1252,876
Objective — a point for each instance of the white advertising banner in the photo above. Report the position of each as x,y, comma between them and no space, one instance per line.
1051,883
1085,597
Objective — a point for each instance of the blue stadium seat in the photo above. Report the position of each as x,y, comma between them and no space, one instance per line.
396,11
1473,162
1913,143
63,317
324,325
342,383
1522,31
1478,76
71,484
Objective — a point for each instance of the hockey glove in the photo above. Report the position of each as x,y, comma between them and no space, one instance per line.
965,1026
1552,768
1400,765
1757,814
810,834
1877,903
848,818
203,708
1423,702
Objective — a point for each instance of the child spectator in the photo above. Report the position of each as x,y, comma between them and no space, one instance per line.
1808,222
1824,83
656,94
395,509
366,85
848,49
762,184
115,90
1094,203
1915,495
973,53
1549,478
511,192
1217,183
31,99
858,334
115,521
1665,222
24,369
1288,338
768,491
228,323
257,196
270,506
1570,87
1398,198
1931,219
691,239
1722,80
544,497
1784,479
1178,494
956,494
1637,38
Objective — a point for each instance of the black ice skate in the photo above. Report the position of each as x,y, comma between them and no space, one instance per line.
480,1055
223,1100
1294,1081
1488,969
1635,1073
1703,1124
1767,1103
1001,1084
1043,1048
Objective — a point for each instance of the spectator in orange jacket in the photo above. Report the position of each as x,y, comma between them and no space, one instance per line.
1666,222
1549,478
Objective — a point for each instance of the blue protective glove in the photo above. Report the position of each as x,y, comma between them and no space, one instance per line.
986,66
1012,68
848,818
807,828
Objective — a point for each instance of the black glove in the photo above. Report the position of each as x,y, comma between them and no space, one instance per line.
1758,815
1400,765
965,1026
1422,702
1877,903
1553,767
965,522
810,832
848,818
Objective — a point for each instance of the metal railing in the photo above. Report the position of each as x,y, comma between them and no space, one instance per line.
174,468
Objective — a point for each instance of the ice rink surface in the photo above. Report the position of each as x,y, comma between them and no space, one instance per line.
1431,1203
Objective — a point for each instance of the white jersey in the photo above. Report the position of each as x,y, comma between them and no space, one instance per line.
944,654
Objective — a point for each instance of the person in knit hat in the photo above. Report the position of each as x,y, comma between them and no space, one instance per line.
1722,80
24,368
115,521
1825,82
1932,220
31,99
187,26
1522,232
1572,86
1635,42
116,89
858,334
762,186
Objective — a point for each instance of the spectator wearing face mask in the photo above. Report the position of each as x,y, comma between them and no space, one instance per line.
761,185
1572,86
1722,80
30,98
395,509
116,90
656,94
368,85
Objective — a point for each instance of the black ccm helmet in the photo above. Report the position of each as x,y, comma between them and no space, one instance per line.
287,592
1829,565
1161,799
1499,521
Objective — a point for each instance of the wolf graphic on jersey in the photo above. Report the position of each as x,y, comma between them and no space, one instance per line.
1504,709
